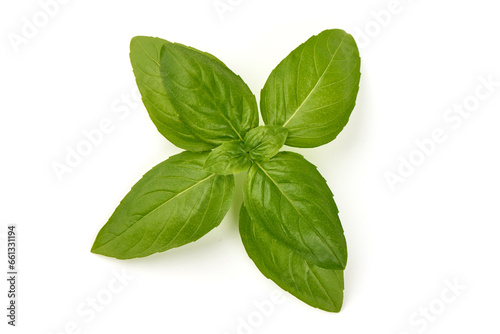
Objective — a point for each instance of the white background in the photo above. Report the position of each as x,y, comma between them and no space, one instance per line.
407,243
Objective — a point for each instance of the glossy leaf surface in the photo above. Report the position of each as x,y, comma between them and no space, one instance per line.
293,202
313,90
175,203
214,103
145,59
316,286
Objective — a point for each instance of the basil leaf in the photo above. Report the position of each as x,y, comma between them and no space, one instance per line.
145,59
229,158
173,204
316,286
212,101
313,90
293,202
264,142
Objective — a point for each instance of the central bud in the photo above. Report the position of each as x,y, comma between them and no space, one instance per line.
260,144
264,142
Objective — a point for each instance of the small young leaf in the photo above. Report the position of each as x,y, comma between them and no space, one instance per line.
316,286
313,90
145,59
211,100
229,158
291,199
173,204
264,142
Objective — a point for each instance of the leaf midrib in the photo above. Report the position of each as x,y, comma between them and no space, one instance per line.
161,205
228,121
147,53
297,210
317,83
307,265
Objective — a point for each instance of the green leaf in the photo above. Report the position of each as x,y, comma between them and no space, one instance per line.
173,204
229,158
313,90
145,59
264,142
293,202
212,101
316,286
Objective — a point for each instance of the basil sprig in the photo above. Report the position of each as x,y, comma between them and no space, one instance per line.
289,221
